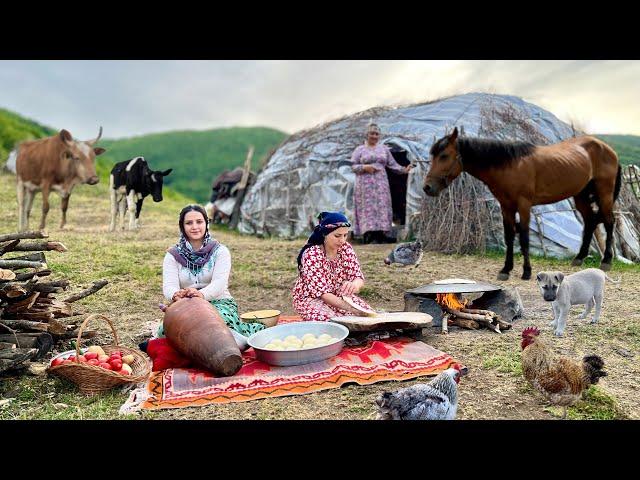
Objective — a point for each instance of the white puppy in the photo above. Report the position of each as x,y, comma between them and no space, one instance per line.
585,287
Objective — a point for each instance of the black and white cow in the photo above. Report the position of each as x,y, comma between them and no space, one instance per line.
134,180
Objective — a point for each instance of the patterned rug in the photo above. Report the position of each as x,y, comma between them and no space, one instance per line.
377,361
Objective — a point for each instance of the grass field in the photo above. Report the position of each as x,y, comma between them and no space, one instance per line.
263,273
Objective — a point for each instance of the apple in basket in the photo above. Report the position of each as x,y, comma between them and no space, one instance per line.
91,356
116,364
93,361
57,361
103,358
105,365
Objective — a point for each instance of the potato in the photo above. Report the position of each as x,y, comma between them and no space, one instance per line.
96,349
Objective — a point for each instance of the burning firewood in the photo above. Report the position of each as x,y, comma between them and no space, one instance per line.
466,317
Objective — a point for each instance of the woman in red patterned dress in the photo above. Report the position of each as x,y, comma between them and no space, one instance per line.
329,270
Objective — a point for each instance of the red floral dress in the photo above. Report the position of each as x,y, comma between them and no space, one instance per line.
320,275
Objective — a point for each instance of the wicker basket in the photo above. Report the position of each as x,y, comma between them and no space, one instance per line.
92,379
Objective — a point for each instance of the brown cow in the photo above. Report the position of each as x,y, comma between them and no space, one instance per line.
54,163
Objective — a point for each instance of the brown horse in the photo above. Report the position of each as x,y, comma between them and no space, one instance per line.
521,175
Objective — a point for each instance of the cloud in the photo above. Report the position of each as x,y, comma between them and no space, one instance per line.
135,97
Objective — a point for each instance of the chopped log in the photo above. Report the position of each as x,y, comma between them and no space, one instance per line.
38,246
30,275
8,246
15,358
445,325
31,257
464,323
42,341
35,316
6,275
468,316
479,312
57,308
57,328
23,235
12,290
74,334
7,346
25,304
93,289
486,320
55,286
27,325
11,264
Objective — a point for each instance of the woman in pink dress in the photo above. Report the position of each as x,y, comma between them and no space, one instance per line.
329,270
373,214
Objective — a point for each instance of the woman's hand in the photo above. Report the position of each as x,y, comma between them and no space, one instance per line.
187,293
369,169
408,168
348,288
193,292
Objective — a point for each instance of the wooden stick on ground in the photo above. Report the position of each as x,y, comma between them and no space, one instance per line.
28,276
38,246
8,247
21,235
93,289
20,264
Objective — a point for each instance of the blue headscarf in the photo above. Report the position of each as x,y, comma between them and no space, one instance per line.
329,221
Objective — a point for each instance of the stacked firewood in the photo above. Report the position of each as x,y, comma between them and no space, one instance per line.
32,319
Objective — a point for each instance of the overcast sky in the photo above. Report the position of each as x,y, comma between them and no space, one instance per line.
136,97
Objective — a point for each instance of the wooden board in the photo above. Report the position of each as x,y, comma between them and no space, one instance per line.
384,321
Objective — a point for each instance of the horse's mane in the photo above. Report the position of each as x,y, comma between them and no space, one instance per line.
492,153
486,151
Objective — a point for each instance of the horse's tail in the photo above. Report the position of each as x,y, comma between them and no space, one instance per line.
616,190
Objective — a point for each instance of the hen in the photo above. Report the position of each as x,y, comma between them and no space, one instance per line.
561,380
436,400
406,254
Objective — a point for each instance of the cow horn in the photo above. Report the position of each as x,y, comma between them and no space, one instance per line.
93,142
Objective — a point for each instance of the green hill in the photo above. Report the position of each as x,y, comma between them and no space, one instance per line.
195,156
626,146
14,129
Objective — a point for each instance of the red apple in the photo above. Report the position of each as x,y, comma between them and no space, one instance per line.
57,361
72,358
90,355
105,365
103,358
82,358
93,361
67,362
116,363
124,372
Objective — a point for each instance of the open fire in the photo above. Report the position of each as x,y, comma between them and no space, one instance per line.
457,314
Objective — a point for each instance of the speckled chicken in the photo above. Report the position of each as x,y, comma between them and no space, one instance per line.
561,380
436,400
406,254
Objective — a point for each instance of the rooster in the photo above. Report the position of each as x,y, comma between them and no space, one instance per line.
436,400
406,254
560,379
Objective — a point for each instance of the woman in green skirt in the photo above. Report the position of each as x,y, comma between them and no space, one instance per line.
199,265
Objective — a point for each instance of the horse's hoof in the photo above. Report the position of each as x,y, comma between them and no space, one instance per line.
503,276
605,267
526,275
577,262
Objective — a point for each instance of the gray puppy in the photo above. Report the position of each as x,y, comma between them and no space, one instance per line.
585,287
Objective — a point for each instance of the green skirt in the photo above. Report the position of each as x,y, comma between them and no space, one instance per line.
228,310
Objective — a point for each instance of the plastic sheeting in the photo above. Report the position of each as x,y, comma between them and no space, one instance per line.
311,171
